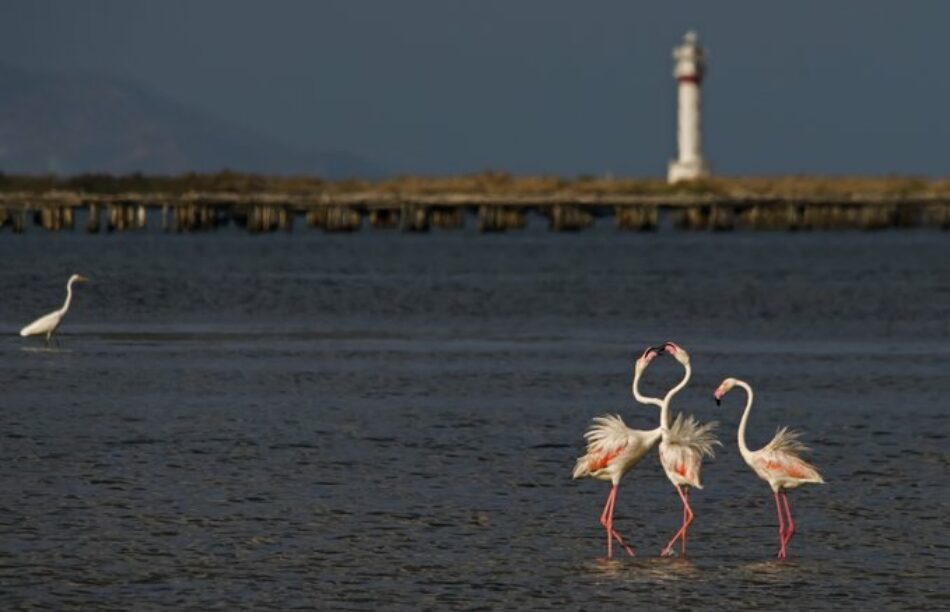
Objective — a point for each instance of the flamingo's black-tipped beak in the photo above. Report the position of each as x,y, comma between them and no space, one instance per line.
718,401
658,349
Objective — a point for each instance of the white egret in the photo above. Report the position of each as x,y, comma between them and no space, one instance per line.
47,324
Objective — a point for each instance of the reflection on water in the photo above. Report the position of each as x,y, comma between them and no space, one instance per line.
671,569
323,421
641,569
44,349
653,569
770,570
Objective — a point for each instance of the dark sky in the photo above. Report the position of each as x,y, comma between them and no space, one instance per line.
553,86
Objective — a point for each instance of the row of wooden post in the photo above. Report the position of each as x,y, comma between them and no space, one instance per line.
812,217
490,218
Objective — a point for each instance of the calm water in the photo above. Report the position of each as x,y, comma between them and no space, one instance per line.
346,421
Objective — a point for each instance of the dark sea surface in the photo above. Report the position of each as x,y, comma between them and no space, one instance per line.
384,420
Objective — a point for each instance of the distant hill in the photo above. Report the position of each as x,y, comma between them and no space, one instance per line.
76,123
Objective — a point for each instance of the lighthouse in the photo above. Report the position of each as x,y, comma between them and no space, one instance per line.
689,66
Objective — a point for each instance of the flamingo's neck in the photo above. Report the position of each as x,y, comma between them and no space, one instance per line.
743,447
650,401
665,408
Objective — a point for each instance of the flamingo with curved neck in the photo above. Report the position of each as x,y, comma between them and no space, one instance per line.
683,445
613,449
779,463
639,368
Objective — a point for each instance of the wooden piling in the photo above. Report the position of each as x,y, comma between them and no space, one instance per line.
67,217
19,221
92,223
257,220
722,218
194,217
384,218
448,217
907,215
877,217
186,218
500,218
937,215
414,218
115,220
44,217
564,218
141,217
179,218
315,217
771,216
209,217
637,218
691,217
334,218
285,219
819,217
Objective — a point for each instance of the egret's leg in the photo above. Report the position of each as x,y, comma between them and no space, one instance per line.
790,525
781,527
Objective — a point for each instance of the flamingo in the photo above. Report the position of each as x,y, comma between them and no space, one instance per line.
778,463
612,451
683,445
47,324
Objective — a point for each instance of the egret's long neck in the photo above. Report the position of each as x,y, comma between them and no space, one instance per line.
69,296
743,447
665,408
653,401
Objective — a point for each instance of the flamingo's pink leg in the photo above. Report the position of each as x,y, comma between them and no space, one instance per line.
688,513
687,521
603,515
682,532
629,550
626,548
781,527
668,550
607,520
790,525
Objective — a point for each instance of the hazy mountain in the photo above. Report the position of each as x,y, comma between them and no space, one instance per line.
74,123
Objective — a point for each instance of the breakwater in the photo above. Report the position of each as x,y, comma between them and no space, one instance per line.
495,212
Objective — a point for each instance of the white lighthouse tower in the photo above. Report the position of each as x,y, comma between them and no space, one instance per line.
688,70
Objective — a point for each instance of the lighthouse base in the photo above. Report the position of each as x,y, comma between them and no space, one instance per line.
687,170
